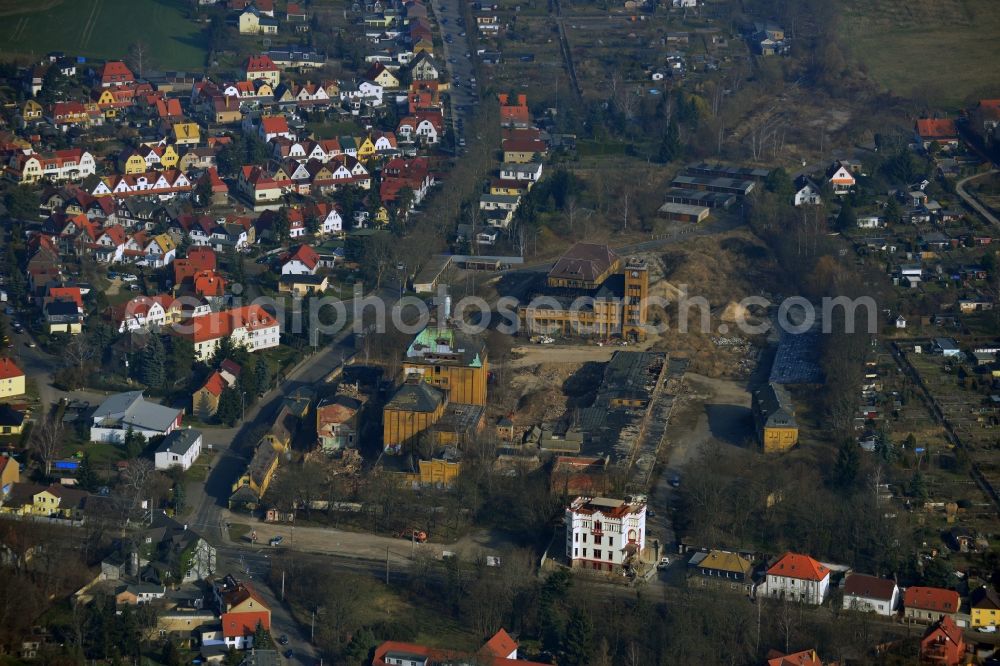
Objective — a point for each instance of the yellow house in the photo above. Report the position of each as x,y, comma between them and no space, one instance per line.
10,473
301,285
985,605
386,79
186,134
366,149
169,157
774,416
11,379
11,421
205,400
255,481
31,111
132,164
382,216
507,189
31,499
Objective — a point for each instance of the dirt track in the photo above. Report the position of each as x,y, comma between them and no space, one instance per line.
529,355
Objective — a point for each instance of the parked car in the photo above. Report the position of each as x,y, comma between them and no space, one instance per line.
276,541
663,563
128,277
283,640
675,481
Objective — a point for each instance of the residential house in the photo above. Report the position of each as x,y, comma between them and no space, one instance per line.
53,501
242,609
382,76
338,420
425,127
774,416
116,73
262,67
11,423
424,67
499,650
166,542
871,594
130,411
841,179
10,473
205,400
178,449
57,166
249,326
272,127
797,578
31,111
943,644
186,134
721,569
137,594
299,260
303,284
522,151
62,316
936,130
803,658
604,533
806,192
141,313
929,603
984,604
252,21
11,378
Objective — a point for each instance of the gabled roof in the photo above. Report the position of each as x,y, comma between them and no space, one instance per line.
274,124
985,598
415,396
244,624
304,254
261,63
724,560
9,369
215,384
500,645
931,128
869,587
802,567
931,599
803,658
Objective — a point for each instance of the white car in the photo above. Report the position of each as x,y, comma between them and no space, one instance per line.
663,563
128,277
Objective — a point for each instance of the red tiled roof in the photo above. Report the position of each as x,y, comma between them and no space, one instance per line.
261,63
220,324
802,567
804,658
305,254
274,124
208,284
931,599
215,384
501,645
936,128
9,369
116,70
244,624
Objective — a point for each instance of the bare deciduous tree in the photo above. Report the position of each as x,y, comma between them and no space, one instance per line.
46,439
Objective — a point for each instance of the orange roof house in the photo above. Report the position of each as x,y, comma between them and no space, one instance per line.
942,130
803,658
943,644
9,369
929,603
116,73
514,113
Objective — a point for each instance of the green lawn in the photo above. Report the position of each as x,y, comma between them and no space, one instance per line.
932,50
105,29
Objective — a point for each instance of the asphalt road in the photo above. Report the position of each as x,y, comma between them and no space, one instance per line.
461,70
972,201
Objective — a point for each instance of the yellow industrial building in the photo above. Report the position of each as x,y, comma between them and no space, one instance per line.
774,417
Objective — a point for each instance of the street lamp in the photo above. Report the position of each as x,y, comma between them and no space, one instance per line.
243,407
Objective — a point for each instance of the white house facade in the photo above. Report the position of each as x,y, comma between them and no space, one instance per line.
604,533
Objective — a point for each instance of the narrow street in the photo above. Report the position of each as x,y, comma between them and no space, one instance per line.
972,202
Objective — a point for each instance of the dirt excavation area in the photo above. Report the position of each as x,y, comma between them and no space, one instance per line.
708,412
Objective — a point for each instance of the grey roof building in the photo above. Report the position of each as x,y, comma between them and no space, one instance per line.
130,410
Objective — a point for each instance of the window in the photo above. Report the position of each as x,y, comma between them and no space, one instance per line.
597,554
597,539
585,552
611,541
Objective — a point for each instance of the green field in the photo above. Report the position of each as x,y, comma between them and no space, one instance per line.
103,29
943,52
